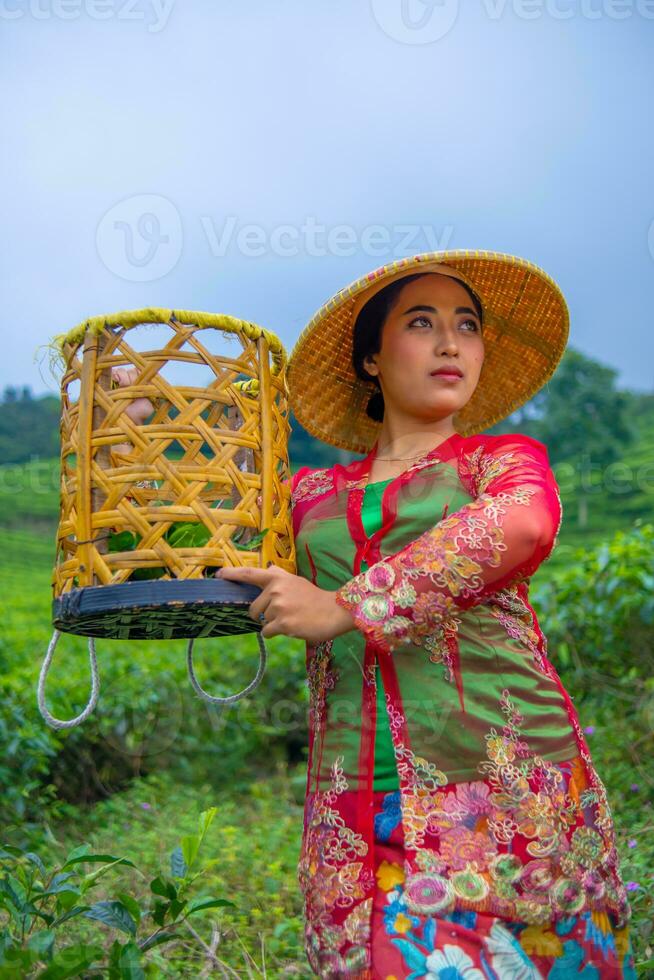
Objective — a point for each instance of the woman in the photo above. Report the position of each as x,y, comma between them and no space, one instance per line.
454,824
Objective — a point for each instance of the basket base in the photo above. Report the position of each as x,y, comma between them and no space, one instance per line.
154,610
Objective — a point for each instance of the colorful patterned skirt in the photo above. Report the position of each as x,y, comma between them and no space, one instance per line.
468,945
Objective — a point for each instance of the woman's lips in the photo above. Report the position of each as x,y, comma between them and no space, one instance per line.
447,375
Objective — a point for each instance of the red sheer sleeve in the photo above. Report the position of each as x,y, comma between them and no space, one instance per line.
296,477
496,540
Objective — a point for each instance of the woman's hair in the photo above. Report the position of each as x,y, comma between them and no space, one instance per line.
367,333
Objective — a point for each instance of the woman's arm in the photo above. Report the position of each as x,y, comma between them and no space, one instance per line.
496,540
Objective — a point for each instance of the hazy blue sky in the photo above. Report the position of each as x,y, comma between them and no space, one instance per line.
142,138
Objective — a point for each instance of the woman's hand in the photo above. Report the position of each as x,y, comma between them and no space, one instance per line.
292,605
137,410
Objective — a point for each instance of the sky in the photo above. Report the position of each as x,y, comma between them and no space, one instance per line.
253,158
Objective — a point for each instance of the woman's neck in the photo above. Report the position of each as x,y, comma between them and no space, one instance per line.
391,464
394,445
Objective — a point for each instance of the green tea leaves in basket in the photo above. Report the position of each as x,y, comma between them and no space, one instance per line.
188,534
183,534
253,543
123,541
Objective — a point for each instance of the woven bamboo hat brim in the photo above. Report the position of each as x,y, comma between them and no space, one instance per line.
525,330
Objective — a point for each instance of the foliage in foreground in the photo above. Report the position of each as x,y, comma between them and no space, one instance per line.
254,844
36,904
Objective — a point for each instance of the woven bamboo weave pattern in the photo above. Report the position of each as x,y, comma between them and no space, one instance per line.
200,461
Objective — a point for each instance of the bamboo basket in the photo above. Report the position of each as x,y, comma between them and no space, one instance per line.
142,531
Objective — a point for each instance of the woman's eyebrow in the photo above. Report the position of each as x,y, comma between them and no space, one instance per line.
434,309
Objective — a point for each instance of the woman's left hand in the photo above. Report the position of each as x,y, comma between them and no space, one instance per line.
292,605
137,410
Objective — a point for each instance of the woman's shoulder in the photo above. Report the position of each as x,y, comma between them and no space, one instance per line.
308,481
502,459
496,443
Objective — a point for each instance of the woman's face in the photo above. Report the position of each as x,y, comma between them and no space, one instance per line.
432,324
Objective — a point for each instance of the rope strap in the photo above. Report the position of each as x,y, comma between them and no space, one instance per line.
95,682
233,697
95,686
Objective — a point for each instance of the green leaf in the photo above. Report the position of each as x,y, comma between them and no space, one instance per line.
198,904
42,943
205,819
122,541
176,907
253,542
35,859
126,962
79,858
113,914
10,894
60,883
66,898
161,886
39,914
71,961
145,574
98,859
177,864
188,534
159,912
70,914
159,938
131,905
16,963
190,848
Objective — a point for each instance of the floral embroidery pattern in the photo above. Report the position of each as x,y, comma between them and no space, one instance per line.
462,832
452,557
479,468
312,485
430,948
321,679
442,644
509,608
332,856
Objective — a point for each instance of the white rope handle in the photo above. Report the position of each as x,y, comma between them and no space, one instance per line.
95,686
233,697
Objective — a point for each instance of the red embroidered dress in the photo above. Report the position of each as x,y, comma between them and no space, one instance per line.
478,714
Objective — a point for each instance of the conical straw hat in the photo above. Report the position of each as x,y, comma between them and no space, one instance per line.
526,325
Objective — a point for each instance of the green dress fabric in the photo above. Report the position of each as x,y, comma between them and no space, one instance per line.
386,777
